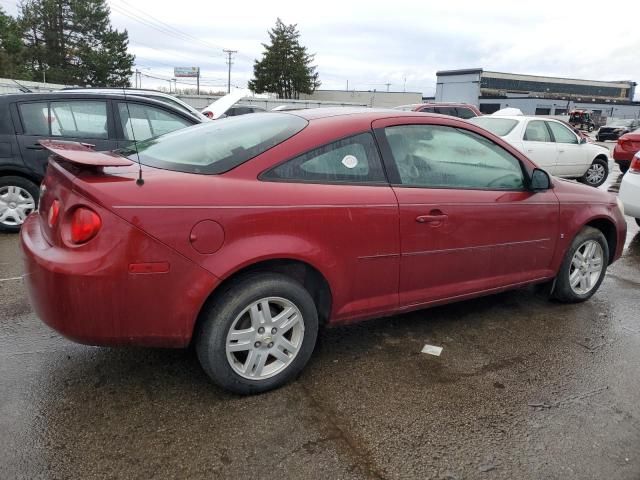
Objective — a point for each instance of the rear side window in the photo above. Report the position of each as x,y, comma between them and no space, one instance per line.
145,121
79,119
537,132
216,147
446,111
465,113
497,126
350,160
35,118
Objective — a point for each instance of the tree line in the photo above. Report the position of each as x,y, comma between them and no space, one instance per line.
70,42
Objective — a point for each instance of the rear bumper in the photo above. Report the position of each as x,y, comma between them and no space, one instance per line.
621,156
89,296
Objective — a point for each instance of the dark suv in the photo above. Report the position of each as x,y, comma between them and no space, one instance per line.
460,110
106,121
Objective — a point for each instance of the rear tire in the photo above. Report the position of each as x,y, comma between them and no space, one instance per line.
583,268
596,174
18,198
258,334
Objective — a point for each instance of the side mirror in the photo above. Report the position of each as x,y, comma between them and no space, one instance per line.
540,180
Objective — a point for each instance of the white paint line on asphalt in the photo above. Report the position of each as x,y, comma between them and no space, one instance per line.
11,279
432,350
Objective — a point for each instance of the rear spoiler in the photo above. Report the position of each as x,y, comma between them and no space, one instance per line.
84,154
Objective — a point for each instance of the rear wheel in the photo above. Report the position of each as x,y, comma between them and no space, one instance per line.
596,174
583,267
18,198
258,334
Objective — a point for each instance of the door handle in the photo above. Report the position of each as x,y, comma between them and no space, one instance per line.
35,147
433,218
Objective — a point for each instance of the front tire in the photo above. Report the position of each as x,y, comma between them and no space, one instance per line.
583,268
596,174
18,198
258,334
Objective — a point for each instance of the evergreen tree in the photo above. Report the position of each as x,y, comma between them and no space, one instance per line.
72,42
11,48
285,67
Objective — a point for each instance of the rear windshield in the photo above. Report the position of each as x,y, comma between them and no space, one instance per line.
497,126
217,146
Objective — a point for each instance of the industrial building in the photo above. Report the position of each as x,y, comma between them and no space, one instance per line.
536,95
370,98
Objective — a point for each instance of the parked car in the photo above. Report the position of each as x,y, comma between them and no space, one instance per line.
107,121
630,189
628,145
617,128
248,234
153,94
553,146
460,110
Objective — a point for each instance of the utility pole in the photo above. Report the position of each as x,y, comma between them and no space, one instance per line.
347,85
198,82
388,85
229,62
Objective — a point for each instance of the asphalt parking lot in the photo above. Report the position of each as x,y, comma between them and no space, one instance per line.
524,388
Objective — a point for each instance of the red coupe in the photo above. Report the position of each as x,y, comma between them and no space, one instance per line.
245,235
628,145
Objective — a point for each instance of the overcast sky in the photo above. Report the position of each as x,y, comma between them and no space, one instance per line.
370,44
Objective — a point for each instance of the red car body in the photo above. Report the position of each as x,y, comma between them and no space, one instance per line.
628,145
165,247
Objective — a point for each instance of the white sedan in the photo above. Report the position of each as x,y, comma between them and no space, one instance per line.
630,189
553,146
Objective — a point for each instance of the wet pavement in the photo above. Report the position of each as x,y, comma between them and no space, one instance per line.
524,388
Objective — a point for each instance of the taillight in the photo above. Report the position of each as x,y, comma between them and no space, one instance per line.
208,114
85,224
54,213
635,165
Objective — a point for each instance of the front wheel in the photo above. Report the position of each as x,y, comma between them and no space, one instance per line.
583,268
258,334
18,198
596,174
590,128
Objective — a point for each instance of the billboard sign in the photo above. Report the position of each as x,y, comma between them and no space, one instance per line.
181,72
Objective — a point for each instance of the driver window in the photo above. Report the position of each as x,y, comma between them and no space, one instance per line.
562,134
447,157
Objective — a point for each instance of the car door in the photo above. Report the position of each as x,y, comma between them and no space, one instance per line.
141,121
358,220
572,159
538,145
78,120
467,222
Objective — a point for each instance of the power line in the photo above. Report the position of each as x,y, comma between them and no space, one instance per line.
152,22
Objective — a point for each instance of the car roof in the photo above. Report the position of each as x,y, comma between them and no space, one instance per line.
44,96
325,112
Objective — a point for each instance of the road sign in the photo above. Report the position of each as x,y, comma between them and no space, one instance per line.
181,72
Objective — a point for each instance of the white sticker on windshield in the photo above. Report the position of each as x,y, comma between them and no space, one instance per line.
350,161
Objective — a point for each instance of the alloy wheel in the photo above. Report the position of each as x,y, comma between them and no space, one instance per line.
264,338
586,267
595,174
16,203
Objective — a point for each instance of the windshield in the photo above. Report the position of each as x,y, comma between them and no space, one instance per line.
219,146
497,126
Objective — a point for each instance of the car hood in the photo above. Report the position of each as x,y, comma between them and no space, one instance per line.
572,191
